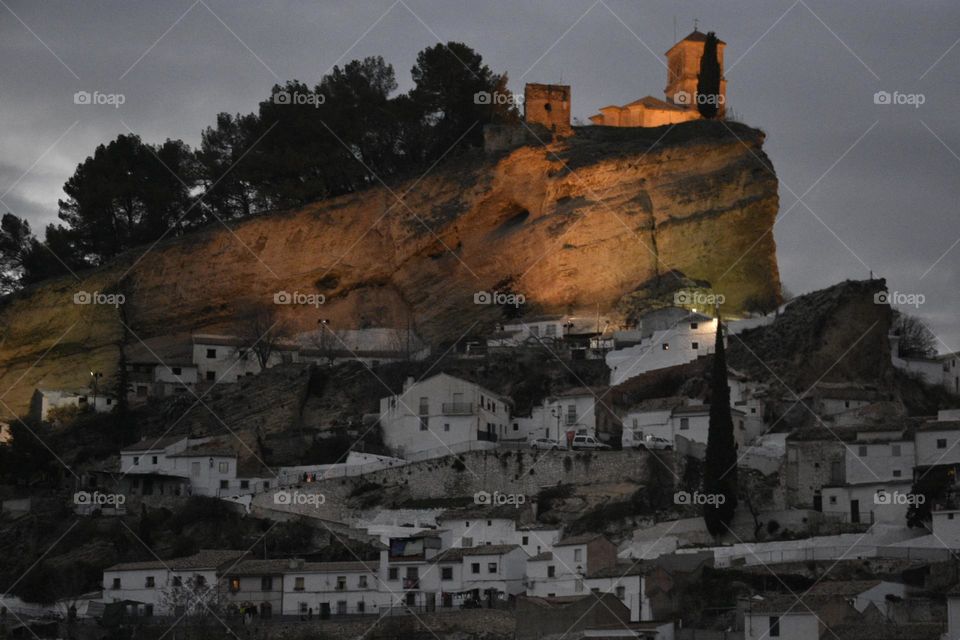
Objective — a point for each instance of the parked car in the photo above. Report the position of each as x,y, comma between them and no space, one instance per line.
588,442
654,443
545,444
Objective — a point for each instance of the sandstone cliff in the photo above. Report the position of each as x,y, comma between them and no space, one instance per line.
579,223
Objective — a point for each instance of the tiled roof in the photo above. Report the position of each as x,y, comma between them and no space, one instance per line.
842,587
153,444
782,603
204,559
455,555
581,539
540,557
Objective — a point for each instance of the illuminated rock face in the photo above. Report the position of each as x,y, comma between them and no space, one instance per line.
579,224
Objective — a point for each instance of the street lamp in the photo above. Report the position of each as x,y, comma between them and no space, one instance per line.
96,375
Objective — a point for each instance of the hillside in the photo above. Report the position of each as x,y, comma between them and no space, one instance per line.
583,222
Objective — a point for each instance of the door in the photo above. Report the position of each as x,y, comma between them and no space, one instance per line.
854,511
817,502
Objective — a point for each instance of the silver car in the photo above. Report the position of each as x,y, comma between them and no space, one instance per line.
544,444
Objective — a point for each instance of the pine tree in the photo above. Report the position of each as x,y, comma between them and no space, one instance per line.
708,81
720,466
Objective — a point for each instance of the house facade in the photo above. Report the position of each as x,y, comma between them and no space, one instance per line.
441,412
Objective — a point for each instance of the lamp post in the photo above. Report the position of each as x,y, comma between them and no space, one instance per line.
323,322
557,412
95,375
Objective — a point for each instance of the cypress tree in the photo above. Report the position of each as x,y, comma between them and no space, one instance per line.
708,80
720,466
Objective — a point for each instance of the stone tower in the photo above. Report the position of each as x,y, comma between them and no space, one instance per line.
683,67
549,105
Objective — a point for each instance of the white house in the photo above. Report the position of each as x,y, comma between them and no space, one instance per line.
536,329
222,358
537,538
44,400
485,574
479,527
782,616
673,417
371,346
169,587
324,589
255,587
442,412
209,464
937,442
687,339
951,371
408,571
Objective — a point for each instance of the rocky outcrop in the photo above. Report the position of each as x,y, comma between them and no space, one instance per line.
580,223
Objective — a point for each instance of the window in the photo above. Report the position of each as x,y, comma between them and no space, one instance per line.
895,450
153,460
136,460
341,583
621,592
234,585
298,583
774,626
224,484
446,426
684,424
199,580
224,467
116,583
244,484
423,423
551,330
694,325
148,610
446,573
551,571
360,607
833,499
362,582
491,567
150,583
266,583
211,353
695,345
846,404
525,540
424,406
266,484
665,346
177,581
467,542
211,376
862,451
475,568
176,371
393,573
897,473
489,523
577,555
941,443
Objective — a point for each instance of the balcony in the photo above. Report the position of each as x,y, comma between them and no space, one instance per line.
457,408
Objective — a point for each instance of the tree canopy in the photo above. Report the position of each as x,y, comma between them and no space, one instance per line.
348,131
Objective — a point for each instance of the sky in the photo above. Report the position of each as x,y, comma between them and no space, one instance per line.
866,184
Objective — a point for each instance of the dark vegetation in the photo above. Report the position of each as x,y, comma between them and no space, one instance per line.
720,464
303,144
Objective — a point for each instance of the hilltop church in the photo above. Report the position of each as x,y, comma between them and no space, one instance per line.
549,105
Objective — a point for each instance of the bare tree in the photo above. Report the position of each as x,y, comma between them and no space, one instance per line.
263,332
916,340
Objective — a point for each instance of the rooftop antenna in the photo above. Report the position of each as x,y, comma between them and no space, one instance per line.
696,23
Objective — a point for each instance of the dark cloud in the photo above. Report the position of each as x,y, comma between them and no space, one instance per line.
805,72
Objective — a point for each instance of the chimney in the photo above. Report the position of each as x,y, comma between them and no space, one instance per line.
408,383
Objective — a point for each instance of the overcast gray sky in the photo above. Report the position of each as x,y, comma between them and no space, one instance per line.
878,182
